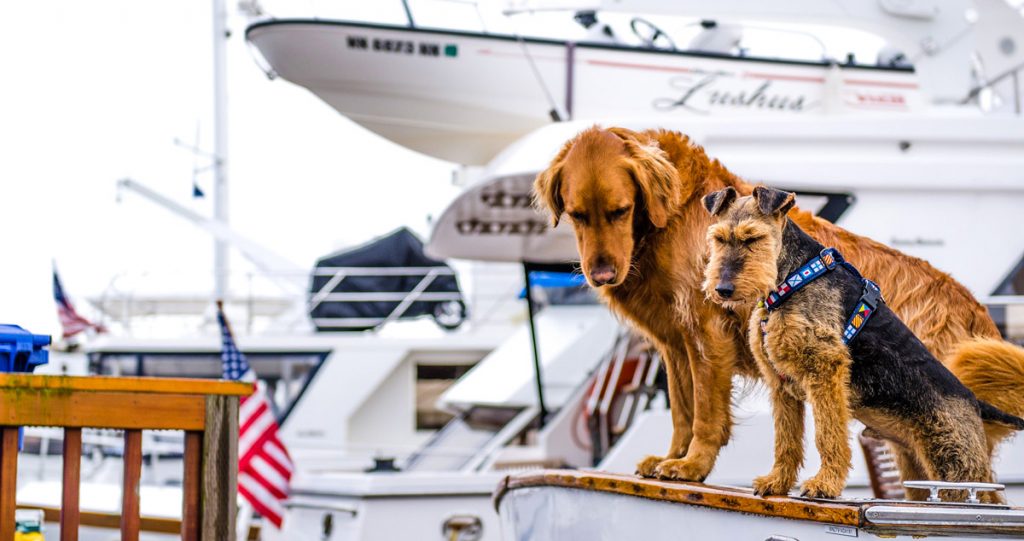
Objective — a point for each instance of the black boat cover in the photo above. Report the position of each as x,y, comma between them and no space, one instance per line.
401,248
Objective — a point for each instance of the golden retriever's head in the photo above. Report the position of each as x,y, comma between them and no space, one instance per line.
745,242
615,188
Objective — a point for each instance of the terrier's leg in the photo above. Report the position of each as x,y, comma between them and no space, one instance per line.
953,444
788,413
827,389
910,470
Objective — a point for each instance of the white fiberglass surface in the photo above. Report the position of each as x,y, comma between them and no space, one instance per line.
571,341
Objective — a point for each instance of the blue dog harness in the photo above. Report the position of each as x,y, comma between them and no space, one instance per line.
828,259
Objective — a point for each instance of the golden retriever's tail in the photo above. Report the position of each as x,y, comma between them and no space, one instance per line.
994,371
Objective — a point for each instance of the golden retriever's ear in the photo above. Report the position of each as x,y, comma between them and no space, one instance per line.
656,180
718,202
547,187
773,202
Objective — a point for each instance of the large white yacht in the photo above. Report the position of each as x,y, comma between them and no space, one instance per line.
920,147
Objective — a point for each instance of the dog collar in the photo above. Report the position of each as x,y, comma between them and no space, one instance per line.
828,259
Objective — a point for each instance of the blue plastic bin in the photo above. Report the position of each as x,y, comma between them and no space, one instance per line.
22,351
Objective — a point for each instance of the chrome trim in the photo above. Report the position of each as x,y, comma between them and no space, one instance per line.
890,515
321,507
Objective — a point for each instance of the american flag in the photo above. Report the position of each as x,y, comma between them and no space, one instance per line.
70,320
264,467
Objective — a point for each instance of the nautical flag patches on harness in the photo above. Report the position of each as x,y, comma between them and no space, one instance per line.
814,268
866,306
828,257
857,320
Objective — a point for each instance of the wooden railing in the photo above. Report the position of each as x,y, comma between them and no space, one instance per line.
206,410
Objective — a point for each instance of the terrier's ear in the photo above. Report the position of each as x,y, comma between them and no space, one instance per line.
718,202
773,202
547,187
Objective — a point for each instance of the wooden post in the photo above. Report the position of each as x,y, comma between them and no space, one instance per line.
130,487
190,512
69,508
220,469
8,479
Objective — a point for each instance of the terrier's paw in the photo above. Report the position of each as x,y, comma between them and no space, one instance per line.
816,487
992,497
683,469
648,466
772,484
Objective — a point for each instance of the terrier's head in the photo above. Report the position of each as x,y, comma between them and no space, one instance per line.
745,242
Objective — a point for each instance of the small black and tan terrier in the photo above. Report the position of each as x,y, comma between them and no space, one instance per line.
822,334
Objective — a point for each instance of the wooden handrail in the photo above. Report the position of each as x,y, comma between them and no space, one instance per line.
112,521
119,384
207,410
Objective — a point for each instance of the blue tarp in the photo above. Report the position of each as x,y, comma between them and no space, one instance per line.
547,279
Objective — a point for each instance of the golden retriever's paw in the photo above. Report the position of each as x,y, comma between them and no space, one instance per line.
817,487
682,469
648,466
772,484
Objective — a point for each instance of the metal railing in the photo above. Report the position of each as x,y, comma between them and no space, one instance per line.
1013,75
405,299
257,305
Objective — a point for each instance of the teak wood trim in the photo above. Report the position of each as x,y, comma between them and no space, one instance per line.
695,494
147,386
102,409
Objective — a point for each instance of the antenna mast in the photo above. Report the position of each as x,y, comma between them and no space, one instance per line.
220,148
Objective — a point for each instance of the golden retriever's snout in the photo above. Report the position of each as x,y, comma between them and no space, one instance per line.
602,275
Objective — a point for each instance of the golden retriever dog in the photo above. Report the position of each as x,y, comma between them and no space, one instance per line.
634,199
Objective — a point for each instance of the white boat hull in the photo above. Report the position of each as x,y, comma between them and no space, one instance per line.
578,506
555,514
464,97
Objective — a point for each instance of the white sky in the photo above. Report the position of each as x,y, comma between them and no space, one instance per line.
97,91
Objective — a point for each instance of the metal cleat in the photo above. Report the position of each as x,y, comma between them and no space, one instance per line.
972,488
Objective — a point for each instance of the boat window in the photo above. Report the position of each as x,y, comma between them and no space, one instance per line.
286,375
828,205
1013,284
431,382
1005,304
